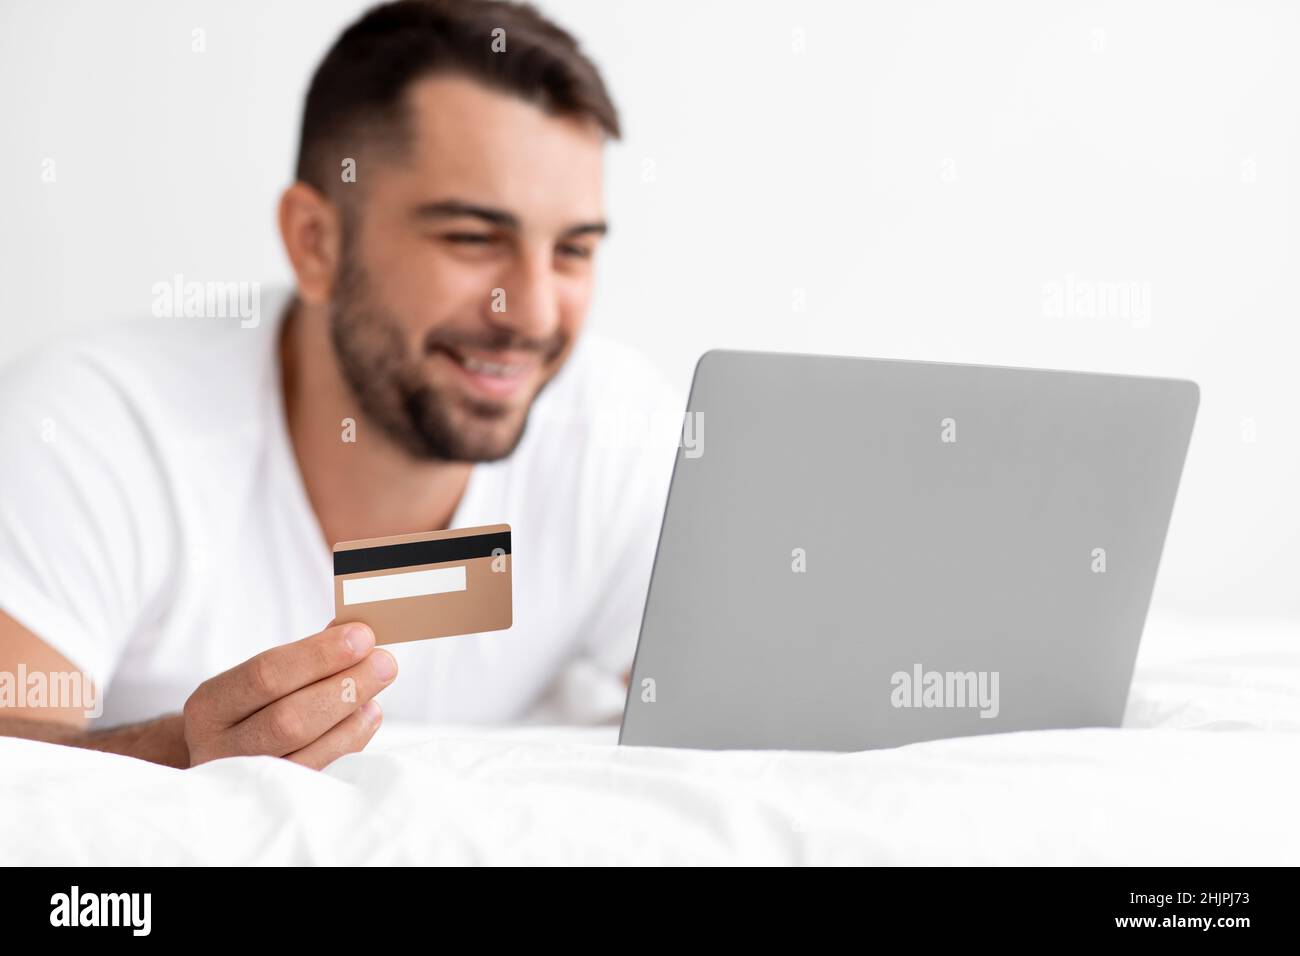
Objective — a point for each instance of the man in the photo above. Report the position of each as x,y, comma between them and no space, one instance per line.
172,487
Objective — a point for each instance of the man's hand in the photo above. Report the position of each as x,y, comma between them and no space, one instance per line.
309,702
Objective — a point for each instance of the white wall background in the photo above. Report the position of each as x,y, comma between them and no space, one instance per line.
912,174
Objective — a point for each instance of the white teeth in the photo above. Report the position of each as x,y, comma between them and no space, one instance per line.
490,368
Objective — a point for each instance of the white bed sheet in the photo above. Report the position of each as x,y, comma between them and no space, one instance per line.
1205,772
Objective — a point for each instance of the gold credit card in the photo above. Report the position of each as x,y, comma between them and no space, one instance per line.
409,587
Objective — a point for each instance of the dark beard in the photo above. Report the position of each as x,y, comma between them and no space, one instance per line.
388,383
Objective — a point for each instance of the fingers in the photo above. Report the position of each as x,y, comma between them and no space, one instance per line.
348,736
293,722
230,697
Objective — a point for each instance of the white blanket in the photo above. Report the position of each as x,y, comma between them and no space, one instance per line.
1206,772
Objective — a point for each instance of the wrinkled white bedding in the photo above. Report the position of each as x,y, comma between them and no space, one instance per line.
1206,772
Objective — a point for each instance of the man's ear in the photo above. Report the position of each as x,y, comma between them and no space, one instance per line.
311,230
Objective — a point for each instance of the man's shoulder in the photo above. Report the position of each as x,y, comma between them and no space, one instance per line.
177,348
609,412
604,376
145,368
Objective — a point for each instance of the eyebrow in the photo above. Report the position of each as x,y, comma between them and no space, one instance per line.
456,209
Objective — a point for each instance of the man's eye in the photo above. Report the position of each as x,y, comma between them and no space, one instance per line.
576,252
469,238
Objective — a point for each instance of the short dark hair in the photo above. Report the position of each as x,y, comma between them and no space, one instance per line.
359,86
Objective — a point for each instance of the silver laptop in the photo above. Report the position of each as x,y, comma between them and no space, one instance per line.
859,553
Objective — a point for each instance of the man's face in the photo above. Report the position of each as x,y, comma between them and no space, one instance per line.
466,268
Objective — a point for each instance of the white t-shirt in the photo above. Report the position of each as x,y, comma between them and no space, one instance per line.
155,528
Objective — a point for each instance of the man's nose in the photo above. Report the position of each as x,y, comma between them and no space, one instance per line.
526,300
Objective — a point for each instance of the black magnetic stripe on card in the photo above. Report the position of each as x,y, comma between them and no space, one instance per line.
387,556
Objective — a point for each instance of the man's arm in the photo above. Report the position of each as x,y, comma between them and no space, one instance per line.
309,702
158,741
161,741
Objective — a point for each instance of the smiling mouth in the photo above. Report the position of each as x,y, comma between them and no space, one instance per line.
482,366
495,374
